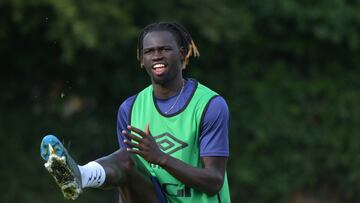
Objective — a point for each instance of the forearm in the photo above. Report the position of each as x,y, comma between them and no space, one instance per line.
207,179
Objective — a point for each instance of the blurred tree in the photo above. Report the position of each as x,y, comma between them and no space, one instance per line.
288,69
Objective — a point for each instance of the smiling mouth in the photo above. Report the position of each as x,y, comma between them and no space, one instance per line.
159,69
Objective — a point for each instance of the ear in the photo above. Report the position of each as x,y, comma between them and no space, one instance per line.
141,62
183,58
182,53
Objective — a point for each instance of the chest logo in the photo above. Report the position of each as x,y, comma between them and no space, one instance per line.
169,144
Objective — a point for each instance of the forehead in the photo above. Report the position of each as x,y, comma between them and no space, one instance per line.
159,38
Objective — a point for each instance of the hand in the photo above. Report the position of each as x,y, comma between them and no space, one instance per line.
146,146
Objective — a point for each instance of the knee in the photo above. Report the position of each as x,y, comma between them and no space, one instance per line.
118,166
123,161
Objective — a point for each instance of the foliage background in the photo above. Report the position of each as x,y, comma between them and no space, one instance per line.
288,69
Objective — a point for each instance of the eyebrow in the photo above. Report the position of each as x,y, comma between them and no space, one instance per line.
157,47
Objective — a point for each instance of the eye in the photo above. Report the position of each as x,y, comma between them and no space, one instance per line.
147,51
167,49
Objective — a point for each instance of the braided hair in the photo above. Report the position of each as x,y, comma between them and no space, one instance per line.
182,36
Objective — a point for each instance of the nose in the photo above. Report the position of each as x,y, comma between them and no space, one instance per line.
157,55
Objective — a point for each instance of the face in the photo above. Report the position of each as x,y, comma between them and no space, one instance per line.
162,57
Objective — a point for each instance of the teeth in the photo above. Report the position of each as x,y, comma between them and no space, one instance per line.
160,65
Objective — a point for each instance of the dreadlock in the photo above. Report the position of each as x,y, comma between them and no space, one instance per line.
182,36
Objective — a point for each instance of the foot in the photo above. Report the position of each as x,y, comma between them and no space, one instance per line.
61,166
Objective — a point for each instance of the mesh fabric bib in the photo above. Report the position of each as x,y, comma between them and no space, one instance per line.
178,136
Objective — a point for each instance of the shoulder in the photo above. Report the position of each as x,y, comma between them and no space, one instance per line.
218,102
204,89
146,91
126,105
216,108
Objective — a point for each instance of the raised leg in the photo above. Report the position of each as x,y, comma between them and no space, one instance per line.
122,170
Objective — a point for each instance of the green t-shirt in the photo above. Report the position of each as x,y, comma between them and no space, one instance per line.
178,136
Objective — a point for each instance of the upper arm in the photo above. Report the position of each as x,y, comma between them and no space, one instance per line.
214,142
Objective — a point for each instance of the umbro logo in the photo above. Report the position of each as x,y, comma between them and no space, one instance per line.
169,144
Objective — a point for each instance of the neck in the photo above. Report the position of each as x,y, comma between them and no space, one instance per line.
164,91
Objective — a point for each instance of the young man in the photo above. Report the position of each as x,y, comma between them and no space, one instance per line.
173,135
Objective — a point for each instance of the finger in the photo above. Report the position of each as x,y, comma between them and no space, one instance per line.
135,151
147,129
137,130
131,136
131,144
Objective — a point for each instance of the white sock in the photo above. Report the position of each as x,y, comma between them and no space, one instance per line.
92,175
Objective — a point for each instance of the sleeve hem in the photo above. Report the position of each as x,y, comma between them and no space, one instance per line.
223,154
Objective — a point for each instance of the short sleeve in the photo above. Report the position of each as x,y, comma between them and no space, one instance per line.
123,118
214,131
